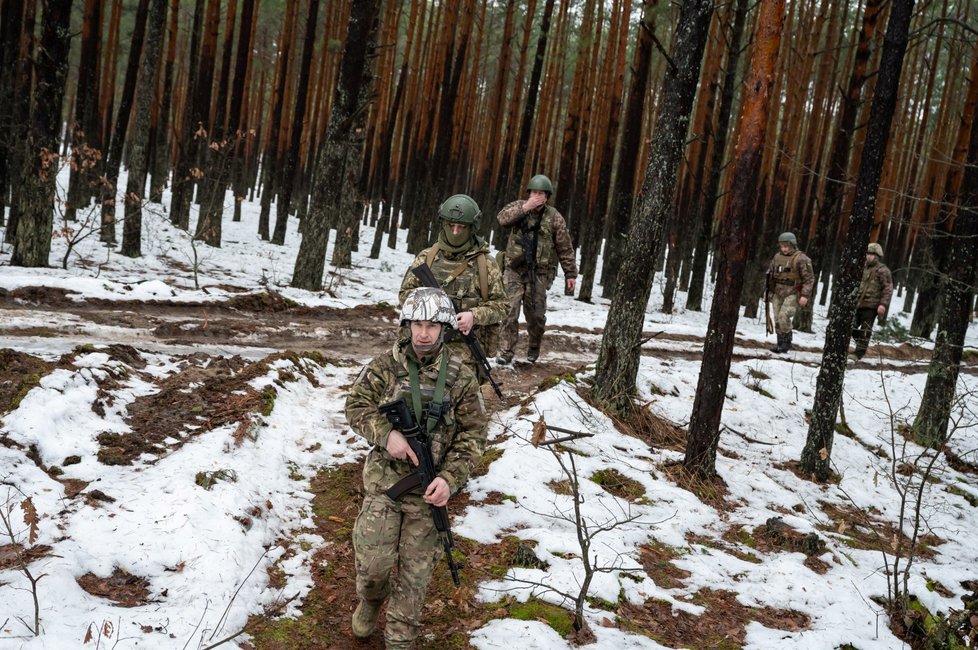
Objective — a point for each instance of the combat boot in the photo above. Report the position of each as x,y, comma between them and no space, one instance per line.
786,343
533,354
505,357
365,618
779,346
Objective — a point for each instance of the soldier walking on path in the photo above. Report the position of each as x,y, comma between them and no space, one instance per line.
460,262
445,397
875,291
538,240
791,282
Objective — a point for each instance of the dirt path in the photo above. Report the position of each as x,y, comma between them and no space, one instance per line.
254,325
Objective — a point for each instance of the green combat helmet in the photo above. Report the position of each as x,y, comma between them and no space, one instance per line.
542,183
460,208
788,237
875,249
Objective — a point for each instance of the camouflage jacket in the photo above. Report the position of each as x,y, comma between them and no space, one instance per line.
876,287
458,275
458,440
791,274
553,241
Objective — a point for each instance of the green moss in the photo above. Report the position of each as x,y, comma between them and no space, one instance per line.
618,484
491,455
601,603
757,373
268,401
25,387
207,480
843,430
536,610
964,494
744,537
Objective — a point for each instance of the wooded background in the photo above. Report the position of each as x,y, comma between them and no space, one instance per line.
682,137
476,96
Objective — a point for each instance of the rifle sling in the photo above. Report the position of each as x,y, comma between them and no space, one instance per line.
404,486
428,422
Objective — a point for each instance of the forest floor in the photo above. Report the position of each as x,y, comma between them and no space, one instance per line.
252,327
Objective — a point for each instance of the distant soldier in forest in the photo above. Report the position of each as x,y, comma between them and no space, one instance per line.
460,262
538,240
875,291
790,283
397,526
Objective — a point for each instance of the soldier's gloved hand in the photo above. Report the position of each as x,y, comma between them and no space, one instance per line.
437,493
803,301
881,310
398,447
569,285
465,322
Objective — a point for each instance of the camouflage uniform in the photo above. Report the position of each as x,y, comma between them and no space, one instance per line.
401,533
791,277
458,275
553,246
875,289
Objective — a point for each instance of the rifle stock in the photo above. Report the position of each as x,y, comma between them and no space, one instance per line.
400,417
424,274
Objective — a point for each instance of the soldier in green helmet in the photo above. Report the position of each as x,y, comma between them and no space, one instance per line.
790,283
460,262
538,242
875,291
388,533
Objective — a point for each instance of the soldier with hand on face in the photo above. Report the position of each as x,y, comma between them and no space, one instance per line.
875,291
421,370
791,281
460,262
538,241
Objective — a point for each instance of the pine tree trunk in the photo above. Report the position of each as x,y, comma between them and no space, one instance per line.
85,133
341,149
617,367
816,456
271,156
114,159
182,184
20,113
593,226
704,424
694,298
160,167
298,120
11,20
931,425
138,160
32,244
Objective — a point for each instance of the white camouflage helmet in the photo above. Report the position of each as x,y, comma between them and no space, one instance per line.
428,303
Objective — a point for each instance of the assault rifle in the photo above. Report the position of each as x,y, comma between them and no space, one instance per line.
401,418
768,324
423,272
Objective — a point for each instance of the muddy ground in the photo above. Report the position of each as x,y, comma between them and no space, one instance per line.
223,345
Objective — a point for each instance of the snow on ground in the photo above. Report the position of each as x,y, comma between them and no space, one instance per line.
207,572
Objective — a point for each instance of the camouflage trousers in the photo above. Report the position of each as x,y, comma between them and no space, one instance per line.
534,305
784,312
391,533
862,329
